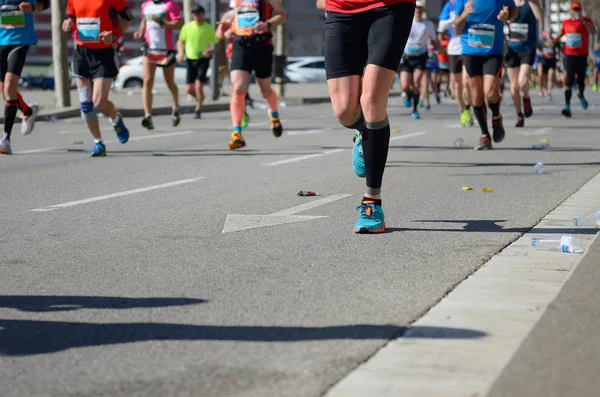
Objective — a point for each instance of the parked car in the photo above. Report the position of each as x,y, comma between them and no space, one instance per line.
130,75
306,69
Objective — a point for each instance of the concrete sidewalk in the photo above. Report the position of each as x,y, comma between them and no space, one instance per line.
129,101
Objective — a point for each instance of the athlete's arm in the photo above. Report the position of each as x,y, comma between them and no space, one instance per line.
69,22
321,4
224,25
125,21
140,32
538,11
589,25
174,24
560,34
179,51
279,17
465,11
42,5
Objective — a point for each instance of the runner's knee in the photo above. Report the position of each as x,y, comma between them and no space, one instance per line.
85,103
372,104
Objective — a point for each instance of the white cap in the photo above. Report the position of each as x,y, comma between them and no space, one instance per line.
420,4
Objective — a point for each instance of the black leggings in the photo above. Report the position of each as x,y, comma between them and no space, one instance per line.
576,65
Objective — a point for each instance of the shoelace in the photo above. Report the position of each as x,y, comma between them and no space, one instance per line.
363,210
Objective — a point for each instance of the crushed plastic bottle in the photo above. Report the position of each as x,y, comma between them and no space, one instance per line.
539,168
51,118
544,143
306,193
570,244
459,142
592,219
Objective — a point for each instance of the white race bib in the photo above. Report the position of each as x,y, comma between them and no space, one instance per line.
519,32
11,17
88,30
574,40
482,36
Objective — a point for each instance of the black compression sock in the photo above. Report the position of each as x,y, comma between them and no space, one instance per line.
495,108
10,113
376,143
568,94
415,102
481,115
468,107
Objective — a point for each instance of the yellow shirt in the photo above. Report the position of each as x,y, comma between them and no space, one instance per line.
197,38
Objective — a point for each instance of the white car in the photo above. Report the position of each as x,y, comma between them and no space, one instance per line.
306,69
130,75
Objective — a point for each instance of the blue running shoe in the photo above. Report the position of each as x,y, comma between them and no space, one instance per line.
99,150
427,107
407,102
371,219
416,116
584,102
358,159
121,130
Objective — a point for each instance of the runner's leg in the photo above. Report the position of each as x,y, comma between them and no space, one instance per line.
515,91
148,72
169,75
524,75
88,113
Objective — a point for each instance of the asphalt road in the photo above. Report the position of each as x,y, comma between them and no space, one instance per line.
118,280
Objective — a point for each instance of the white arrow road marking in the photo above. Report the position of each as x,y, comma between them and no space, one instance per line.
302,158
539,131
236,222
114,195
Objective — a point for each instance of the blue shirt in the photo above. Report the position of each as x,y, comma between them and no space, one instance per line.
483,33
16,28
445,14
523,33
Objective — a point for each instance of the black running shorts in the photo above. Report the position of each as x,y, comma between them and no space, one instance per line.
12,59
196,70
410,63
95,64
478,65
547,64
250,54
516,59
376,36
456,64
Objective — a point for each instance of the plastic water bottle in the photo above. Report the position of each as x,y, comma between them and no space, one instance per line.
539,168
592,219
570,244
459,142
541,146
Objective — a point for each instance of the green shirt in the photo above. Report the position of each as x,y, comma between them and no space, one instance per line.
197,38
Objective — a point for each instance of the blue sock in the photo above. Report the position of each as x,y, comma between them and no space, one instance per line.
237,129
275,115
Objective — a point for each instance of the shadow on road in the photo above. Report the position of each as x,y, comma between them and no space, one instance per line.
51,303
491,226
28,337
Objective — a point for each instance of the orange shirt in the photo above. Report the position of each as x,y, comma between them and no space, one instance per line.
443,51
94,17
578,37
356,6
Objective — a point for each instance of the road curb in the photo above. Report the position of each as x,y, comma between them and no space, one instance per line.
73,112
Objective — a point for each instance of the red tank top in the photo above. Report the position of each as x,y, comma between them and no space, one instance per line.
356,6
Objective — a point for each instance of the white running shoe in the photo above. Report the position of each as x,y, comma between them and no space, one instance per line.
28,123
5,146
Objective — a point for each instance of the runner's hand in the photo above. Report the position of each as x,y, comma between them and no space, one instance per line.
155,19
106,37
67,25
179,58
138,35
469,8
261,28
207,53
26,7
504,15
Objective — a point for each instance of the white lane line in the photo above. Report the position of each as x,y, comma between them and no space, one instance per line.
114,195
309,132
539,131
302,158
406,136
311,205
134,138
461,346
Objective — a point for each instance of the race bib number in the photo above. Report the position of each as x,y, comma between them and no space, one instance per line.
414,49
159,57
548,51
88,30
482,36
444,65
11,17
518,32
574,40
247,18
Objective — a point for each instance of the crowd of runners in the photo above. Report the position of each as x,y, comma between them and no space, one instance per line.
475,45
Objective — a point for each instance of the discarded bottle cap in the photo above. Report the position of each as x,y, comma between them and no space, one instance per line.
465,188
306,193
543,140
459,142
76,142
396,130
487,190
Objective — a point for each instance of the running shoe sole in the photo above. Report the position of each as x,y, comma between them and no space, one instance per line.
25,127
364,230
